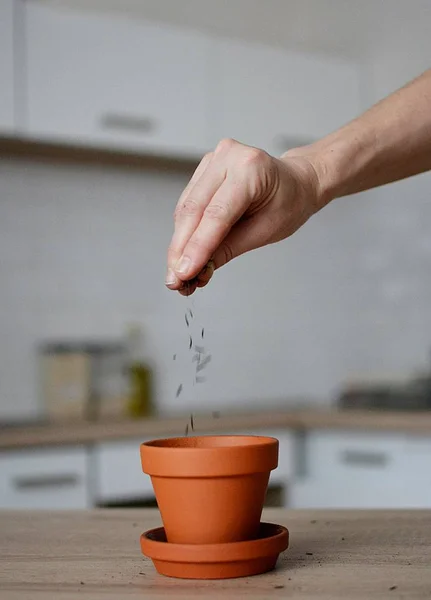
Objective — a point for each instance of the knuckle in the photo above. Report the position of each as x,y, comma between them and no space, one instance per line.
253,157
187,208
218,212
225,145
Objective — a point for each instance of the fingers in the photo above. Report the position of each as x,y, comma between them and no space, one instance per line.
189,287
227,205
188,213
205,275
233,182
247,235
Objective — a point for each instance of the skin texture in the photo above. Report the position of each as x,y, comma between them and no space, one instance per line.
241,198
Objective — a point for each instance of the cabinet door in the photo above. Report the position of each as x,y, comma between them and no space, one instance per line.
6,66
44,479
274,99
359,470
120,476
109,81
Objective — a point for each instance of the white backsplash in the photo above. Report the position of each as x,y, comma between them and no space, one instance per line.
82,253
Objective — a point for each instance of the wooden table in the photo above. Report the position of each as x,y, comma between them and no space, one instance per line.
333,555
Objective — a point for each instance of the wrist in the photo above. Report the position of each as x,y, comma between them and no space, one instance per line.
314,164
332,160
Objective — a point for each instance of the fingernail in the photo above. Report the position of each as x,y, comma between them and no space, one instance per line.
183,265
170,277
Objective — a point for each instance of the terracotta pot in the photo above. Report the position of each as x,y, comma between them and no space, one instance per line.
216,561
210,489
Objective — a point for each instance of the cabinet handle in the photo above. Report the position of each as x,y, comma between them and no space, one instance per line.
359,458
45,481
300,453
283,143
127,123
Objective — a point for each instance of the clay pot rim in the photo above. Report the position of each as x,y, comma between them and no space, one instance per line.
275,540
189,443
209,456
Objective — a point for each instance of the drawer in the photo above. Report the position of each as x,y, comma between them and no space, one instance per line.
352,455
119,472
359,470
44,479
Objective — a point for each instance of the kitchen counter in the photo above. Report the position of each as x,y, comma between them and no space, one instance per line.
86,433
333,555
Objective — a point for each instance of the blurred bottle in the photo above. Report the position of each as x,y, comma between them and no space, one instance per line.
139,400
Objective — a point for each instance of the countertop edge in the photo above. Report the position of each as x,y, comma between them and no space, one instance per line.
76,433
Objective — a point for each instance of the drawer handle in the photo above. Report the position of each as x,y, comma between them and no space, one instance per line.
128,123
358,458
45,481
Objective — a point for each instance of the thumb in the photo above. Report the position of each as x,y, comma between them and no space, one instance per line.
252,233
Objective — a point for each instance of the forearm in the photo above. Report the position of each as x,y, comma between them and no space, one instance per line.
390,141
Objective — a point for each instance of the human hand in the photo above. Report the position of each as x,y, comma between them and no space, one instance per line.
239,198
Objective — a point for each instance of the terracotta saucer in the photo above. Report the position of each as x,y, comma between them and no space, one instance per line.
216,561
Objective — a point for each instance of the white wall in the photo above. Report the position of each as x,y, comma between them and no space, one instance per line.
395,263
83,252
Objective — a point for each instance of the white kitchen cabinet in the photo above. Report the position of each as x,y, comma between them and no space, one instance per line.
109,81
6,67
44,479
119,473
274,99
360,470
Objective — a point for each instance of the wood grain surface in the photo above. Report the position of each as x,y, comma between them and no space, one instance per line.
94,555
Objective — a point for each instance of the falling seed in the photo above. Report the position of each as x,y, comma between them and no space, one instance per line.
200,349
200,379
190,313
190,342
187,430
179,390
196,358
216,414
187,321
192,423
203,363
202,332
174,357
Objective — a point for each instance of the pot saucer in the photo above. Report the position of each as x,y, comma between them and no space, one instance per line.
216,561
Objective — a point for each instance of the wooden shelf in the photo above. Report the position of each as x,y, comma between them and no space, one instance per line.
55,152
